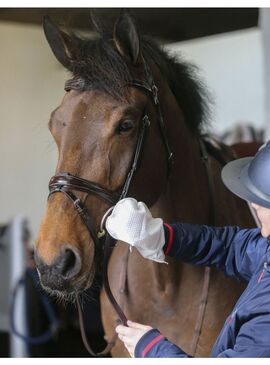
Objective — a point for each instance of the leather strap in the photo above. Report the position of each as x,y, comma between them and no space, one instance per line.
83,213
110,344
207,270
210,180
109,245
65,181
222,156
144,127
153,92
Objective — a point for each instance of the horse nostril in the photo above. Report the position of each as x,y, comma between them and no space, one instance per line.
59,274
69,263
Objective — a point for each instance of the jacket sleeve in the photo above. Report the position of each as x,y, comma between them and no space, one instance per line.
233,250
252,339
154,344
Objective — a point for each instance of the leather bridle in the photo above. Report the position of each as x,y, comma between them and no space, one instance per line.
67,183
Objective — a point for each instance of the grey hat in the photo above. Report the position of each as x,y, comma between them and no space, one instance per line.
249,177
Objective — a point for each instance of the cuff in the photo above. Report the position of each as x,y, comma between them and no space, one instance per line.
147,342
168,232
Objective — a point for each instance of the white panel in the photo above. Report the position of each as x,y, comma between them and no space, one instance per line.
232,66
265,26
32,85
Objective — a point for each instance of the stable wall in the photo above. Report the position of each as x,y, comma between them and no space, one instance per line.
31,87
232,66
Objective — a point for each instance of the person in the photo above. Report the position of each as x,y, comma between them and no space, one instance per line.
238,252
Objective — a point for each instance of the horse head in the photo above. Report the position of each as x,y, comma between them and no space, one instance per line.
97,128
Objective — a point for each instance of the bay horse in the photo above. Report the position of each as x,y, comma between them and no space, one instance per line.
96,129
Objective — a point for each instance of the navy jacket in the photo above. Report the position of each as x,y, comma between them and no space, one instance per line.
242,253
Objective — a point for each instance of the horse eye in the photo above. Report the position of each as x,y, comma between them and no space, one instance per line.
125,126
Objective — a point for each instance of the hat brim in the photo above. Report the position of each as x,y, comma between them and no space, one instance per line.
235,177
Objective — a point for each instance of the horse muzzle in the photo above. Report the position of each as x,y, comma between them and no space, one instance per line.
63,273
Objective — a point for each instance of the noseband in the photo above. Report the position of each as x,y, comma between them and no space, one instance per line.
67,183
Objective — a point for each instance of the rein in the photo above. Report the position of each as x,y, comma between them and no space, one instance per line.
213,148
207,271
66,183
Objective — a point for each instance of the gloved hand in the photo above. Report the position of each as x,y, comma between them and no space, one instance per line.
132,222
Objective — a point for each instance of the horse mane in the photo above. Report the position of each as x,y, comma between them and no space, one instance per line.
99,66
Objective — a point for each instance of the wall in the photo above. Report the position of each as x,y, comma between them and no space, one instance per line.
265,27
32,86
232,67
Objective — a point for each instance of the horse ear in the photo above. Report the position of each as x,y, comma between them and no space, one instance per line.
126,37
59,41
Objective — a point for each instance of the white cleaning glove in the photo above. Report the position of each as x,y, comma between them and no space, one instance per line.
132,222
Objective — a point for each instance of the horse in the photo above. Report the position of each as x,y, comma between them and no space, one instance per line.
96,129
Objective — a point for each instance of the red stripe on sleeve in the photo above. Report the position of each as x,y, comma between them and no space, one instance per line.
170,238
261,276
151,344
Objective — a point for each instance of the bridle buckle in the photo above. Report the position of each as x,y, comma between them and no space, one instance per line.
78,206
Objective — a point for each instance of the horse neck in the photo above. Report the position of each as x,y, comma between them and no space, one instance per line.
186,196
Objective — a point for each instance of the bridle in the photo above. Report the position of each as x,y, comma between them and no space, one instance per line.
66,183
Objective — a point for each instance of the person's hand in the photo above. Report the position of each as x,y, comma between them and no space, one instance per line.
131,335
132,222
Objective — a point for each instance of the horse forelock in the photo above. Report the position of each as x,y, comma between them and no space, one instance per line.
99,66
